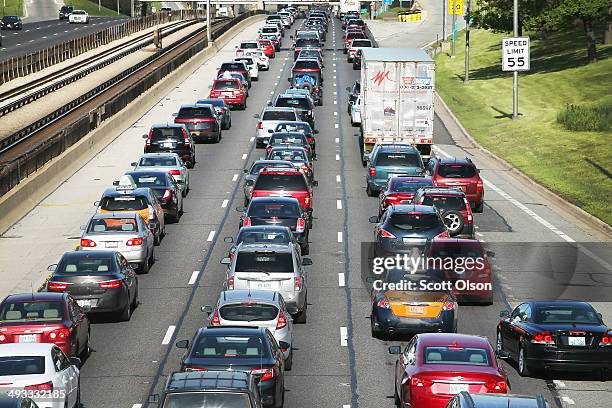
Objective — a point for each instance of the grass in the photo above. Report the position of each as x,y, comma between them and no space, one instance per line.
594,117
91,7
13,8
574,164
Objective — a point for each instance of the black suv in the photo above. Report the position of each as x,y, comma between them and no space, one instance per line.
466,400
302,104
11,23
64,12
210,388
171,138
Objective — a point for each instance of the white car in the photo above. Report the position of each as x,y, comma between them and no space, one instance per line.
168,162
263,62
251,65
271,29
269,118
51,378
78,17
356,112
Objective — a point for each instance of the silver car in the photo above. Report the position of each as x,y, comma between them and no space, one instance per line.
168,162
125,232
262,308
253,171
268,120
273,267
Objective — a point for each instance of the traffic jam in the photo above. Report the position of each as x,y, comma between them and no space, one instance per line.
425,261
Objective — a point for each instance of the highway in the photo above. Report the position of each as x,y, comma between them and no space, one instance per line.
336,362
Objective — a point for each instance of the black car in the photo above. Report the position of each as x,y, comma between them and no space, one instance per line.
357,60
222,109
303,127
278,211
11,23
253,172
302,104
262,234
202,121
166,189
65,11
103,279
171,138
17,402
251,349
210,389
292,139
404,227
354,92
467,400
562,335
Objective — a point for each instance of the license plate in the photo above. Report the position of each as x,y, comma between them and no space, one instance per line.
27,338
392,175
112,244
413,240
169,145
227,94
576,341
264,285
83,303
416,309
457,388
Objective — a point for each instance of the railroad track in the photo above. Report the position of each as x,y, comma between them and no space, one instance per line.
23,141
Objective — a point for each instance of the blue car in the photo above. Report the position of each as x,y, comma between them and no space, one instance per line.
388,160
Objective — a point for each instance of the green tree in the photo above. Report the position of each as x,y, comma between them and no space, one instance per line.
497,15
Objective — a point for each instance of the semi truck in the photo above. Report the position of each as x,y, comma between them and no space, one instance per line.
348,5
397,99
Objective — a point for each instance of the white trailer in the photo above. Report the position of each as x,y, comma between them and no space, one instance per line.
349,5
397,98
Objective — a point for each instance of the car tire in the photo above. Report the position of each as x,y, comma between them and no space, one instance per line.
370,192
87,349
126,314
152,257
479,207
157,238
454,221
289,361
77,403
355,67
144,267
523,367
301,317
306,248
135,301
396,397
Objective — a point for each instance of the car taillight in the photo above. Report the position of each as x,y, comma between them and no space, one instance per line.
310,139
54,286
606,340
215,321
48,386
175,172
282,321
479,185
186,139
192,368
59,334
385,234
298,283
419,382
305,167
148,142
543,338
134,242
88,243
259,125
372,172
391,198
246,222
110,284
443,235
497,386
384,303
301,225
448,306
265,373
268,149
167,194
230,283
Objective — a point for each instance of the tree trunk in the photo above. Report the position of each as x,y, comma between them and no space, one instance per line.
590,36
608,33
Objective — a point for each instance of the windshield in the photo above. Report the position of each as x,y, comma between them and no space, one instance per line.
398,159
274,210
445,203
290,155
457,171
288,182
22,365
410,222
306,64
196,113
456,355
112,226
263,237
123,203
20,312
289,139
566,314
278,115
408,186
298,103
158,161
10,19
206,399
264,262
249,312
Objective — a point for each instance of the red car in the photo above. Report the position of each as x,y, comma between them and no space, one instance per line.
475,268
400,190
45,318
284,182
267,47
434,367
231,90
451,172
274,39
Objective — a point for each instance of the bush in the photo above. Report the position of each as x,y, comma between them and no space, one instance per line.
594,118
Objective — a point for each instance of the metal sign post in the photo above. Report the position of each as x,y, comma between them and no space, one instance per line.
466,76
454,33
208,33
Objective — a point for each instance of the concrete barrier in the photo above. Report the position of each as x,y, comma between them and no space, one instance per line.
20,200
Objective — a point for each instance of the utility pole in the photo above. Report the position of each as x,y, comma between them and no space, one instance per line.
117,7
515,73
454,34
444,20
208,34
466,77
132,8
99,4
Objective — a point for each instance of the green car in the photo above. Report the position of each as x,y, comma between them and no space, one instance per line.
388,160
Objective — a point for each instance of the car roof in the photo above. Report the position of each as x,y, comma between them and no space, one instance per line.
406,208
288,148
455,160
282,248
280,200
160,154
209,380
25,349
452,339
35,296
442,191
231,296
120,214
168,125
411,178
555,302
503,400
278,109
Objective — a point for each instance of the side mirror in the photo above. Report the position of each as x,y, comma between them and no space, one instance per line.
256,115
373,219
503,354
395,350
600,315
306,261
348,89
270,131
504,313
490,254
182,344
132,164
206,309
180,181
240,209
96,203
145,136
315,183
291,37
86,308
284,345
225,261
175,114
115,182
289,79
229,240
153,399
269,103
316,132
236,46
52,267
75,361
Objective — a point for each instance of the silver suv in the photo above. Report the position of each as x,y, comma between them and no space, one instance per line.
273,267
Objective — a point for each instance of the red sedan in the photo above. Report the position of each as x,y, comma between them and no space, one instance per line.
231,90
45,318
435,366
400,190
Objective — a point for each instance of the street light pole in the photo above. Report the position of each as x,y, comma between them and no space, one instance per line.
444,20
454,34
466,77
208,34
515,73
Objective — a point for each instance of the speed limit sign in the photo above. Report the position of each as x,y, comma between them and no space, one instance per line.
515,54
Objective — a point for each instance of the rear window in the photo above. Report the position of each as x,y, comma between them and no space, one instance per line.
298,103
289,139
173,133
293,127
276,210
211,346
86,265
206,399
290,155
456,355
398,159
124,203
265,42
248,45
112,226
249,312
566,314
248,61
356,22
22,365
158,161
309,53
306,64
445,203
413,222
457,171
442,250
286,182
221,85
197,113
278,115
230,66
262,237
150,180
264,262
269,30
20,312
361,43
305,42
403,186
353,35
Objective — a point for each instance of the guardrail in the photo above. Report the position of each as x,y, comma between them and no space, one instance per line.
15,170
36,61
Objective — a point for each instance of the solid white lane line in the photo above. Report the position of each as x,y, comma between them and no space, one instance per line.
211,235
137,406
341,281
194,277
168,336
343,336
252,139
337,157
224,203
338,178
339,236
244,156
235,177
339,204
